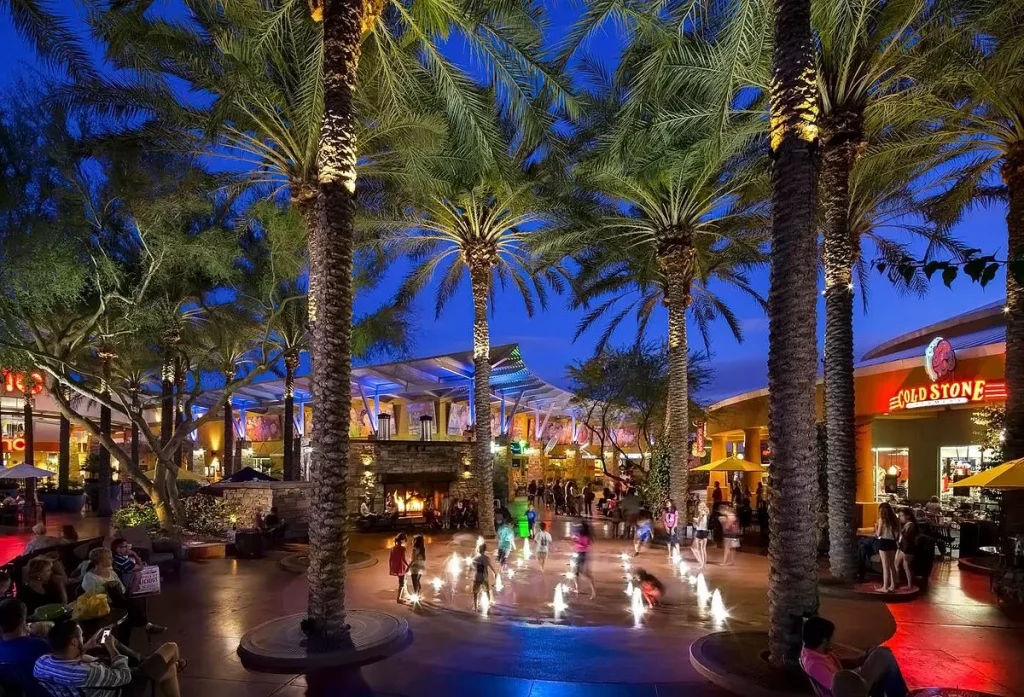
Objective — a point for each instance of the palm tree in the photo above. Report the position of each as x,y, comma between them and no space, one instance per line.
468,222
865,51
667,208
980,83
792,351
679,233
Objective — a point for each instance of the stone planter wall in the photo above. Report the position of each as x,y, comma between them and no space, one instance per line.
292,500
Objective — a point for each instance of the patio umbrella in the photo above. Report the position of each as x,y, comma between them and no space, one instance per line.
1009,475
730,464
248,474
183,475
24,471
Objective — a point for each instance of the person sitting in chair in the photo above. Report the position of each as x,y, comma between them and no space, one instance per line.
274,526
877,667
19,649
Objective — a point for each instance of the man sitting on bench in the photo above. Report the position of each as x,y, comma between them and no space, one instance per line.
877,667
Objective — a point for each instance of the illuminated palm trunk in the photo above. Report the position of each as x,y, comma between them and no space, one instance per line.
842,139
483,464
30,447
291,362
792,352
331,260
676,257
1013,448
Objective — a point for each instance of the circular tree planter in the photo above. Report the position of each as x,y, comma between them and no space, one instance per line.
734,661
279,646
866,591
299,563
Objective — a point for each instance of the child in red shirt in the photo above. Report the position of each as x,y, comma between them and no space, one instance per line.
398,565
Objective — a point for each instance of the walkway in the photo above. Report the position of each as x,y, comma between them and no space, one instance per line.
952,636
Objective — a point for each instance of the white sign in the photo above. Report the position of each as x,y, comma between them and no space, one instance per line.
149,581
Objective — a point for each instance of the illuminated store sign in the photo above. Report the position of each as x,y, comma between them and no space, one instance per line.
939,363
14,383
941,394
13,445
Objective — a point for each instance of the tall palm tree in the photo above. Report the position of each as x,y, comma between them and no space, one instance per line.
680,231
866,51
980,83
477,224
792,350
666,203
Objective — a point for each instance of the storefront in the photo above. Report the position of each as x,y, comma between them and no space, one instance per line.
922,403
535,430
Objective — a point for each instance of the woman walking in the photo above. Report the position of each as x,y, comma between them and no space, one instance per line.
398,565
906,548
419,562
700,535
730,535
886,533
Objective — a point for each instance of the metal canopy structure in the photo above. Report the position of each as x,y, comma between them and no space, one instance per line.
447,377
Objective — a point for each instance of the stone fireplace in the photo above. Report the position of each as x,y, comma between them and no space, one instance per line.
415,473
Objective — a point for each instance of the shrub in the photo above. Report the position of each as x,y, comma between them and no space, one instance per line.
208,515
136,515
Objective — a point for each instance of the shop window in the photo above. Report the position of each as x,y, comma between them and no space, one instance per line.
960,462
892,472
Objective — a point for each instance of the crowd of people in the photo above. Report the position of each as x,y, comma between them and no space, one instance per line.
67,662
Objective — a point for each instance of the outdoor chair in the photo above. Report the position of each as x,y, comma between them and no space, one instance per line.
168,556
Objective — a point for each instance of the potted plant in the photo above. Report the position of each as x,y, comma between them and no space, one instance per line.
49,497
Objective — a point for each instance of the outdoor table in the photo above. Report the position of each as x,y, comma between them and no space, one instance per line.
114,619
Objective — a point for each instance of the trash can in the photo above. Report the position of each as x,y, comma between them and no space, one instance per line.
249,544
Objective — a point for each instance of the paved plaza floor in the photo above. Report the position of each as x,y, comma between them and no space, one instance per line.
953,636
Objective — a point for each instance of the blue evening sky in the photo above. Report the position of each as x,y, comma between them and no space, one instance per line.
546,338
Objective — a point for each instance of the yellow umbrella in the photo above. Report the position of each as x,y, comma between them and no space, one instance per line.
1009,475
183,474
730,464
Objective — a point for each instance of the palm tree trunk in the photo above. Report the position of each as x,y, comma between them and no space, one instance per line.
289,418
228,463
480,279
30,447
103,474
842,138
792,352
1013,501
676,261
64,454
331,251
135,429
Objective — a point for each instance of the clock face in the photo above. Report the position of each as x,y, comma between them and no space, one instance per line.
939,359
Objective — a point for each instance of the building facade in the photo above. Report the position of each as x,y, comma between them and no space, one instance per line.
921,400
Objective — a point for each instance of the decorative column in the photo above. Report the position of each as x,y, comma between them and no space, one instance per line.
865,472
752,453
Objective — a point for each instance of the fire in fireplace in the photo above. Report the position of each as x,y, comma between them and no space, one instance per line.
412,497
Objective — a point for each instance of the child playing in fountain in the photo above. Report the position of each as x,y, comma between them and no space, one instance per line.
531,518
543,544
481,580
398,565
506,542
644,532
650,587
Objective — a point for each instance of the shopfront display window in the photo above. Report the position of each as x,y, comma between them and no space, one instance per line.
892,472
960,462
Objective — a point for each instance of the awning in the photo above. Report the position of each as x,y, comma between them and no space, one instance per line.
730,464
1009,475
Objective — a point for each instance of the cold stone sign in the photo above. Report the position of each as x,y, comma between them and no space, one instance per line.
939,363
